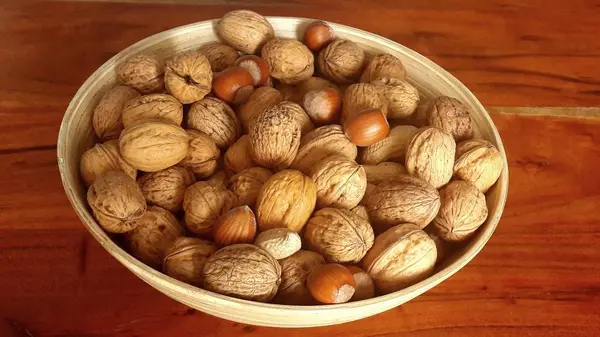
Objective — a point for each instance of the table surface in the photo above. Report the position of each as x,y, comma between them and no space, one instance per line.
535,65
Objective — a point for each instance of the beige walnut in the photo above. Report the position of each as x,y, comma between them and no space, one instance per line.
219,55
101,158
161,107
245,30
219,179
320,143
339,235
289,60
216,119
246,184
142,72
382,172
430,156
259,100
186,258
203,204
289,92
362,96
287,199
154,233
452,116
243,271
295,110
402,98
279,242
106,120
383,65
294,272
188,76
238,158
392,147
478,162
153,146
462,211
166,188
275,137
444,248
401,256
116,200
202,155
406,199
342,61
362,212
340,182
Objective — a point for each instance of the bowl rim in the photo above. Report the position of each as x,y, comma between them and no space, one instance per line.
137,266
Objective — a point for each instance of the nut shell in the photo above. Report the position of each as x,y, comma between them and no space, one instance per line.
288,60
318,35
243,271
365,287
245,30
142,72
246,185
367,127
219,55
238,158
166,188
203,204
259,100
386,171
321,143
279,242
188,76
342,61
331,283
340,182
186,258
392,147
202,154
323,105
402,98
233,85
295,110
452,116
103,157
362,96
106,120
430,156
313,83
238,225
256,66
478,162
161,107
383,65
216,119
294,272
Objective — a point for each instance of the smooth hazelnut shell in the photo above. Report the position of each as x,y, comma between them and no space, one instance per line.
233,85
238,225
367,127
331,283
318,35
256,66
323,105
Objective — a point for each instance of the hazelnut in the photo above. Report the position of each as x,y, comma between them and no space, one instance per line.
154,233
106,120
233,85
362,96
365,288
478,162
294,272
279,242
237,157
116,200
392,147
101,158
143,73
318,35
188,76
320,143
342,61
339,234
153,146
161,107
288,60
203,204
313,83
166,188
256,67
238,225
287,199
340,182
383,172
259,100
247,184
245,30
367,127
219,55
202,154
452,116
243,271
402,98
186,258
331,283
216,119
430,156
383,65
323,105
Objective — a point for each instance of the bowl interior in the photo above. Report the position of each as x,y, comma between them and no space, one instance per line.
76,136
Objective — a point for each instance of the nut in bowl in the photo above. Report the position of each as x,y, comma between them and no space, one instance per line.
252,291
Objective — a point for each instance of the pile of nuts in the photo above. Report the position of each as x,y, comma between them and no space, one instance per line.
232,168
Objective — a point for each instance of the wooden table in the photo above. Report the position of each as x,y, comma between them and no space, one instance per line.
538,276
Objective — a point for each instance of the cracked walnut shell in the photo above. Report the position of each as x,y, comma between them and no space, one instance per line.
166,188
289,60
402,98
342,61
340,182
243,271
383,65
321,143
142,72
161,107
216,119
202,154
219,55
478,162
186,258
188,76
430,156
246,185
245,30
452,116
203,204
294,272
102,158
106,120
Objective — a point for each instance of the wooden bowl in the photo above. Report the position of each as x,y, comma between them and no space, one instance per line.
76,135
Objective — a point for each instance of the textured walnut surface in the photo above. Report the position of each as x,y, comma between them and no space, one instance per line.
430,156
289,60
478,162
363,96
202,154
246,185
203,203
153,106
219,55
245,30
216,119
185,259
294,272
143,72
342,61
340,182
320,143
166,188
402,98
106,120
383,65
452,116
188,76
103,157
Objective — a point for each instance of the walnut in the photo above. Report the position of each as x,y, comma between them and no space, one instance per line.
238,158
215,118
430,156
259,100
106,120
161,107
383,65
102,158
243,271
219,55
382,172
478,162
294,272
402,98
401,256
154,233
186,258
188,76
392,147
452,116
340,182
203,204
289,60
116,200
363,96
462,211
219,179
247,184
279,242
406,199
274,137
361,211
339,234
202,154
153,146
320,143
442,247
142,72
166,188
245,30
342,61
287,199
295,110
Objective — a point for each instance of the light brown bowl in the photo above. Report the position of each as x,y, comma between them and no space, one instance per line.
76,135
